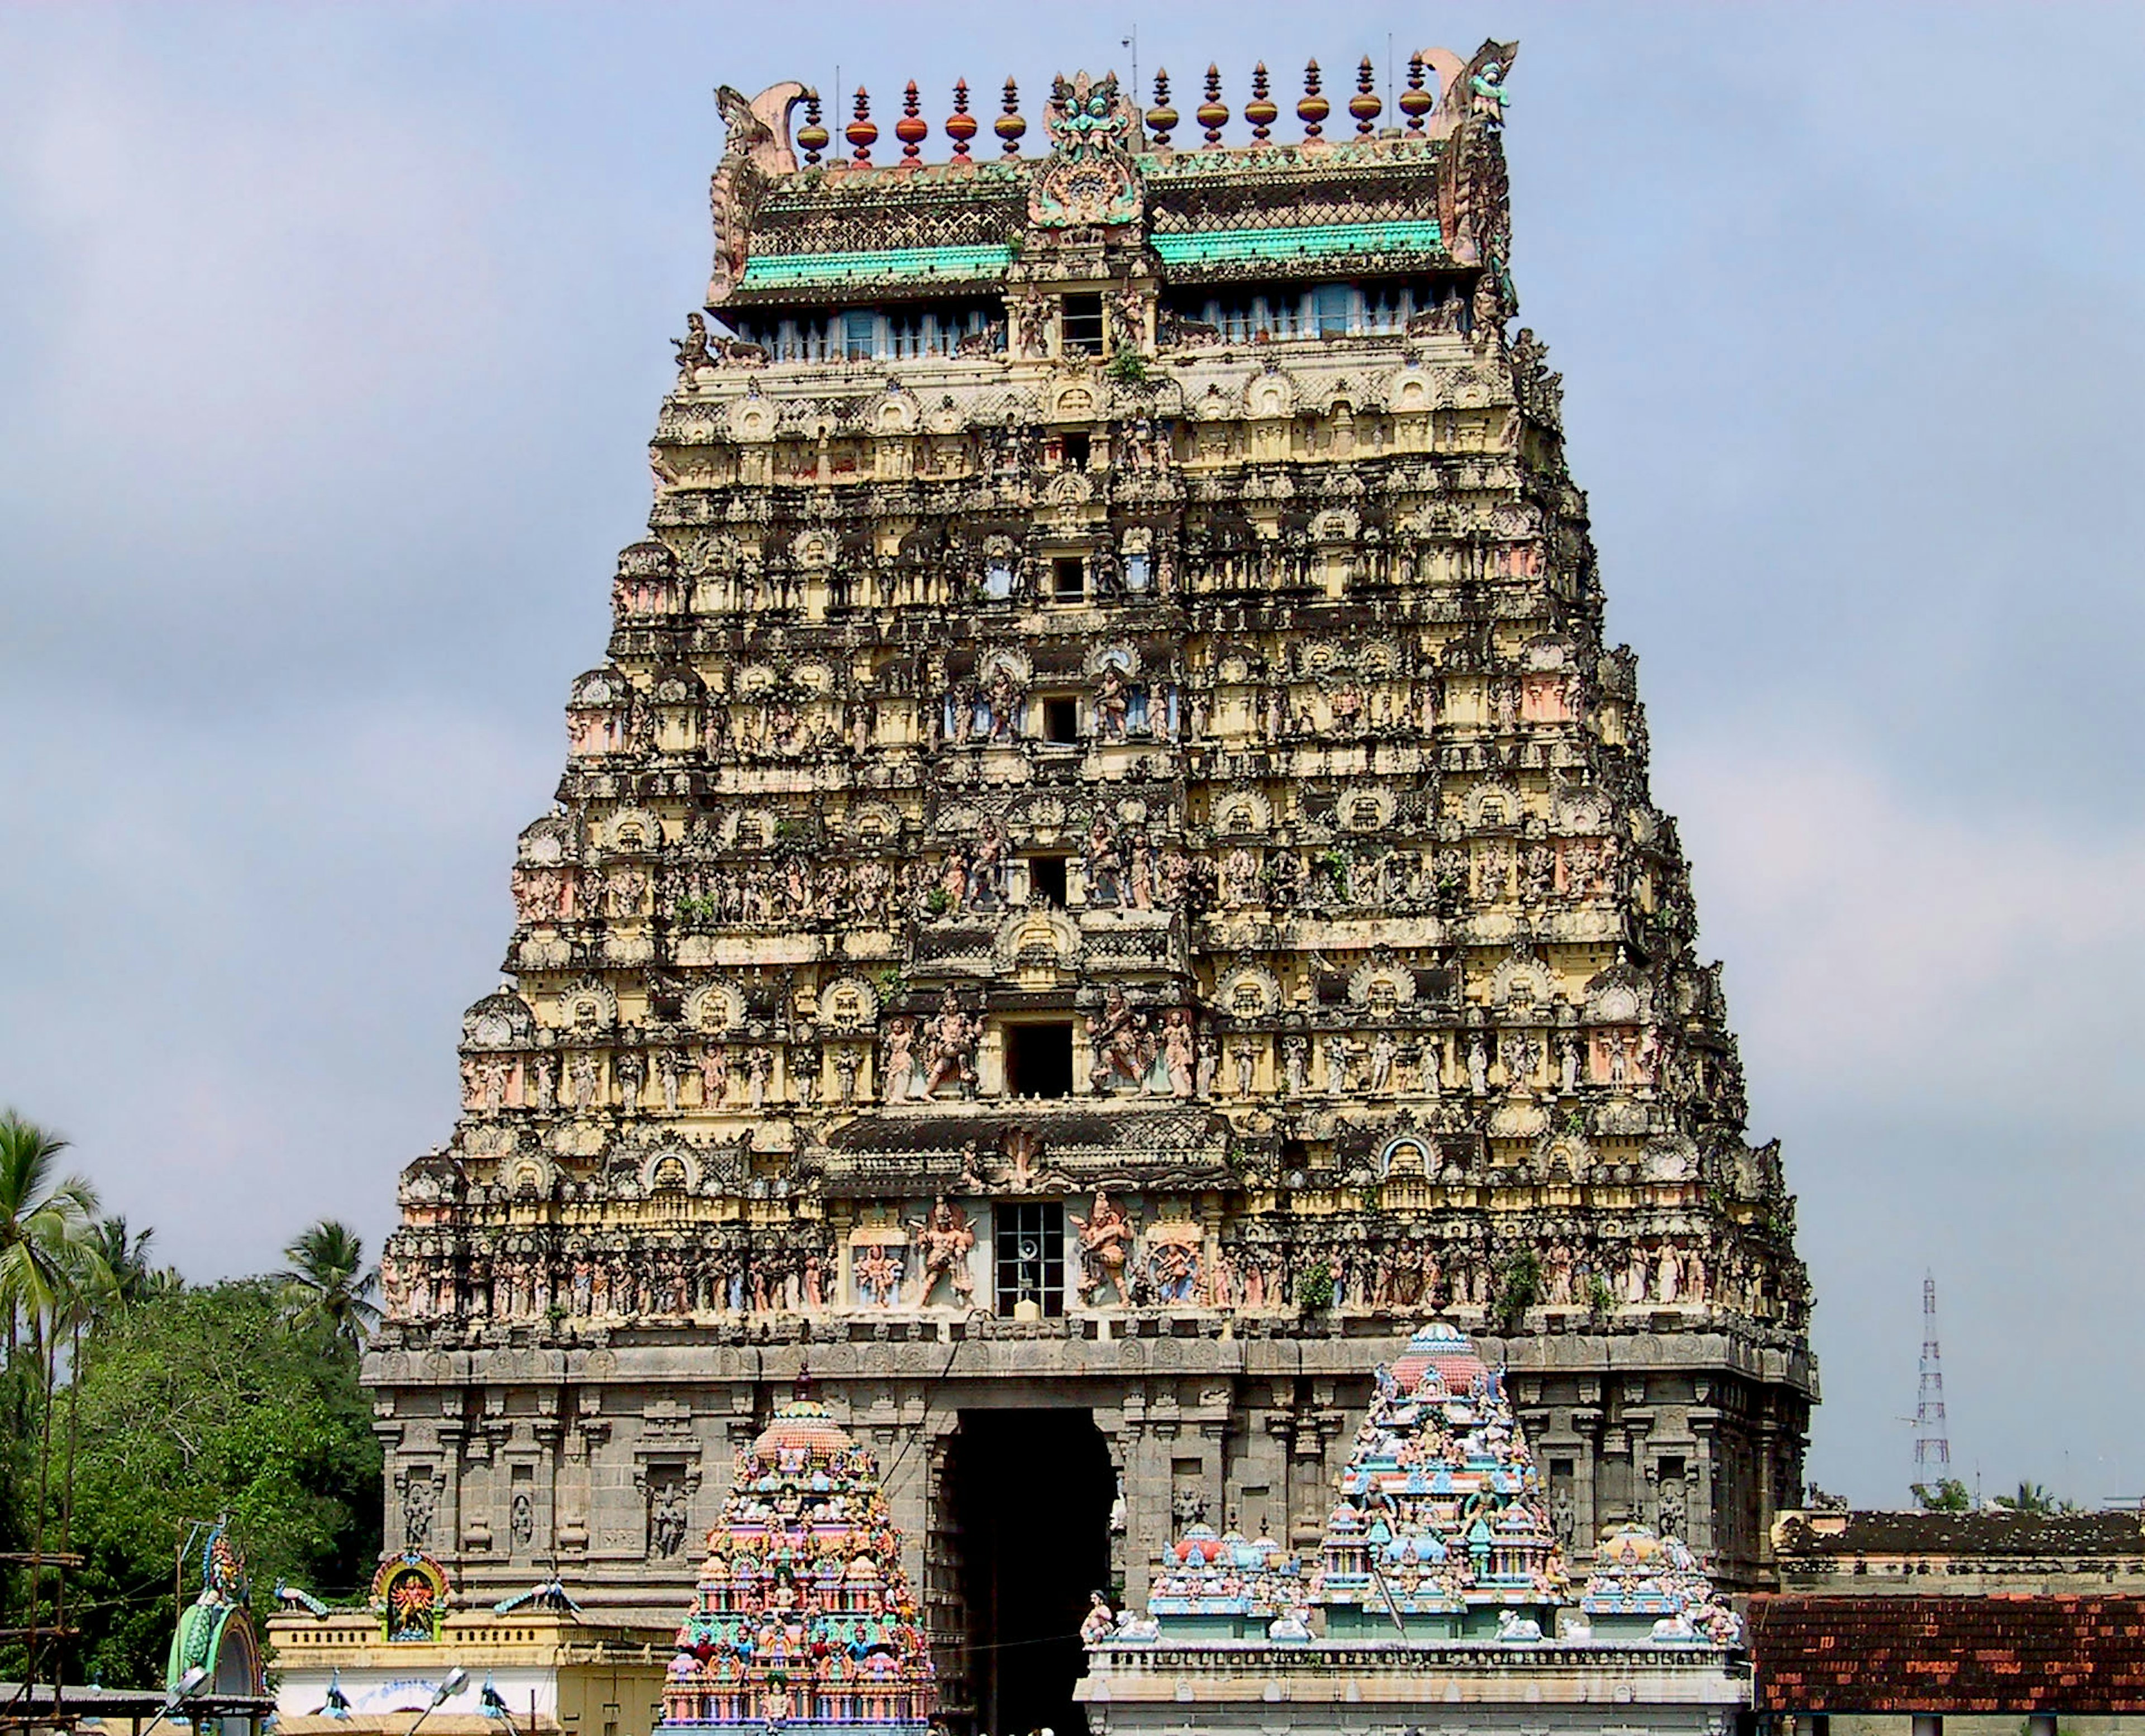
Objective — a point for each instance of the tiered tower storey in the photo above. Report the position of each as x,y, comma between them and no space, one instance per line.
1107,872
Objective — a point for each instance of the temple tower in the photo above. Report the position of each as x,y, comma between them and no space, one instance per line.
1106,874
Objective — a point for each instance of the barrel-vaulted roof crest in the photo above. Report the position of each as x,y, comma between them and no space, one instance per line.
1088,178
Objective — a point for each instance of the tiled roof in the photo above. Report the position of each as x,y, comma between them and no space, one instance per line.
2004,1655
2037,1535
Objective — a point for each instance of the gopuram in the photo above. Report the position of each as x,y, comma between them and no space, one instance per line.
1106,874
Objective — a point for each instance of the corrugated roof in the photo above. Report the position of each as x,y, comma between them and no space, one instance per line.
2003,1655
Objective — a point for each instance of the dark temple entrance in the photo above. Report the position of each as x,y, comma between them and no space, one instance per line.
1030,1491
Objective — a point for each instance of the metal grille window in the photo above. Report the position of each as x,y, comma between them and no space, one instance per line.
1031,1256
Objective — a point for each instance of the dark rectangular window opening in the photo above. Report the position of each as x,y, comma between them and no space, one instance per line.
1045,880
1068,578
1077,447
1030,1249
1082,325
1061,720
1039,1057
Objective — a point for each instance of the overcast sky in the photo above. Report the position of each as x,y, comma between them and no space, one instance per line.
330,344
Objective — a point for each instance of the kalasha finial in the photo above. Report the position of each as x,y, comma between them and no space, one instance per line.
911,129
1161,118
1262,111
1312,109
960,125
1009,126
812,136
1415,101
1365,104
860,132
1213,114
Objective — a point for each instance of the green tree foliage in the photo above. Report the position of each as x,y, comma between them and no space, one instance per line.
1519,1288
329,1283
1948,1496
2032,1498
197,1402
44,1226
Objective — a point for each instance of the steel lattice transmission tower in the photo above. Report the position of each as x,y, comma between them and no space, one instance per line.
1932,1436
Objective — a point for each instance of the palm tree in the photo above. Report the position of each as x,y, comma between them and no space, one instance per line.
125,1258
329,1283
44,1226
2031,1498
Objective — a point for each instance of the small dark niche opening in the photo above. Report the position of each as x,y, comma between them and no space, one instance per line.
1068,578
1083,325
1045,880
1039,1059
1061,720
1075,451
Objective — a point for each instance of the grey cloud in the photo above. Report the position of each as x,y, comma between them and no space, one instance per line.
330,340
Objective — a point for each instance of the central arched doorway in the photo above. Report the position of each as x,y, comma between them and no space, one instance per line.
1030,1494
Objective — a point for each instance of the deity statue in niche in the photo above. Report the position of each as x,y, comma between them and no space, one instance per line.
943,1241
1123,1048
1105,1237
877,1273
950,1036
1104,865
987,866
1177,1051
901,1075
1112,702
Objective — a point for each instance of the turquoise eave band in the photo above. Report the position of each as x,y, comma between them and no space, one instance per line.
1208,247
781,270
1215,247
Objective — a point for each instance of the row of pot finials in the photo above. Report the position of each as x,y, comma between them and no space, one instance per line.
1212,115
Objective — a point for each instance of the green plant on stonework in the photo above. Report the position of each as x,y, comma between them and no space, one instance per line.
1519,1288
1335,865
938,901
888,979
1314,1287
1127,367
688,912
1601,1298
1950,1495
791,831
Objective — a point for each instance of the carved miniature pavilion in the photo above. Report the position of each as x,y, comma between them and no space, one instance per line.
802,1614
1438,1599
1106,870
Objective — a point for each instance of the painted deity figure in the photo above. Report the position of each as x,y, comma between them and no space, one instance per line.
877,1274
1118,1035
1384,1047
1104,865
1177,1051
944,1240
951,1035
1105,1236
900,1075
1112,702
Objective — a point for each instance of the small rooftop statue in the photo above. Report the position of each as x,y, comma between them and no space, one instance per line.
409,1595
215,1631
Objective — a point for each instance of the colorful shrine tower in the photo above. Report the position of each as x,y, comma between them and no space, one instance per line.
1106,870
803,1617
